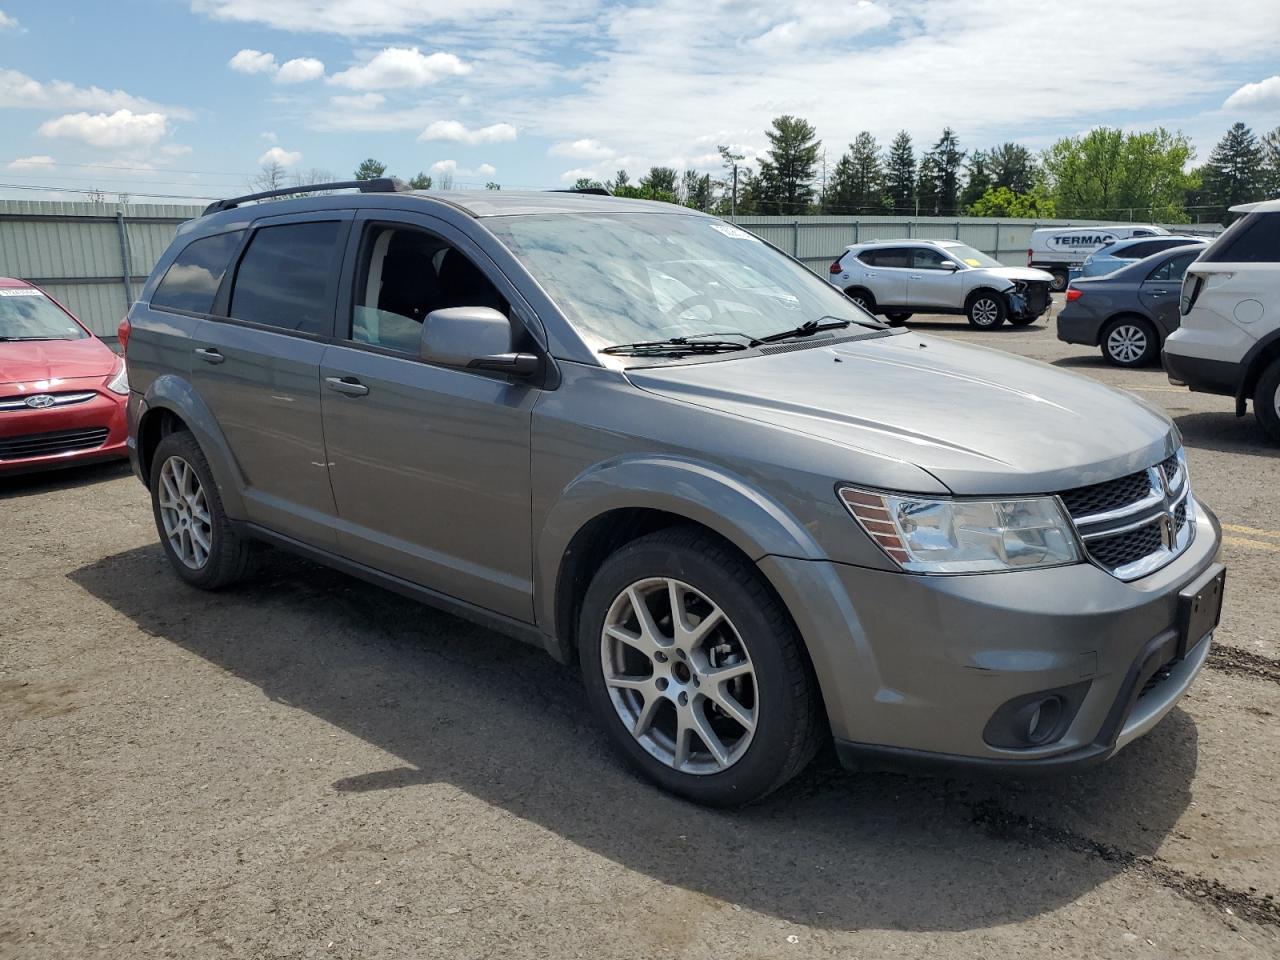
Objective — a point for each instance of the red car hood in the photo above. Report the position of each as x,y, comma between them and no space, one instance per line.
40,360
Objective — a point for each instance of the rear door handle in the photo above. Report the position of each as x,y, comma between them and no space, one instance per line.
348,385
209,355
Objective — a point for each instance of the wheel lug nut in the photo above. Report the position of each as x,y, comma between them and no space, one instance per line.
662,683
681,654
660,657
684,699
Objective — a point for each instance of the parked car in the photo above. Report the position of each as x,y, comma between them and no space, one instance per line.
62,390
1124,252
1229,339
1059,249
755,521
1130,312
901,277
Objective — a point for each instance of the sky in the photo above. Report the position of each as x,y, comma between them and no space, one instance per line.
188,98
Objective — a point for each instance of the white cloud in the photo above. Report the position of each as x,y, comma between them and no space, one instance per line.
1255,96
300,70
253,61
459,133
582,150
124,128
486,169
20,91
360,101
812,23
444,166
269,136
580,173
36,164
401,68
376,17
286,158
451,168
7,22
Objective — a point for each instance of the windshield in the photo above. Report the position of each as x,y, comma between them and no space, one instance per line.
27,314
971,257
623,278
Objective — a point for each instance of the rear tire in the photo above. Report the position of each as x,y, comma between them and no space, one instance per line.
200,542
863,298
1130,342
1266,400
897,319
986,310
1060,280
764,722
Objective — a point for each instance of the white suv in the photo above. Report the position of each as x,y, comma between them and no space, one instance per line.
1229,339
901,277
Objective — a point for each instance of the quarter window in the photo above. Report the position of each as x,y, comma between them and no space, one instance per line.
1253,239
192,280
288,276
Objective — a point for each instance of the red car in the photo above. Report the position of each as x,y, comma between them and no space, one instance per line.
62,390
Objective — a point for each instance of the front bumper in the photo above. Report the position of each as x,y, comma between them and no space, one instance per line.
106,412
916,667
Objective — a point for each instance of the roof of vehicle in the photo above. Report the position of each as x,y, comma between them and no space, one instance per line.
1262,206
1161,231
1128,242
905,241
13,282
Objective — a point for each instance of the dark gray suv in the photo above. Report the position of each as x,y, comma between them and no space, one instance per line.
643,439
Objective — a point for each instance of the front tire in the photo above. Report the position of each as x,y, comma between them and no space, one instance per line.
1266,401
986,310
695,670
1130,342
195,533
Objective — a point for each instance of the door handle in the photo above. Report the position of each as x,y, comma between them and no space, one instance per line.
348,385
916,276
1159,293
209,355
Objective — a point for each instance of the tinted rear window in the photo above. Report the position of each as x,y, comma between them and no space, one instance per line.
887,257
1253,239
192,280
287,277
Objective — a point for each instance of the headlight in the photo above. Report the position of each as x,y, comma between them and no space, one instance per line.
964,536
120,382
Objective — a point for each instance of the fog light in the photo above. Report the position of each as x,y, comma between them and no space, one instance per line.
1043,719
1035,719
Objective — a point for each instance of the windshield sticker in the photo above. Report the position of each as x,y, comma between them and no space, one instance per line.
733,232
972,262
19,292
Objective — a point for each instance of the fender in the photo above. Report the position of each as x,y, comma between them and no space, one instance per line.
1252,365
171,392
719,500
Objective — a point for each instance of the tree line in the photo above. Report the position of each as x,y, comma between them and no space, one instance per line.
1104,174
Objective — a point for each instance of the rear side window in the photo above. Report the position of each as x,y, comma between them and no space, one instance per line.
1136,251
192,280
288,277
887,257
1253,239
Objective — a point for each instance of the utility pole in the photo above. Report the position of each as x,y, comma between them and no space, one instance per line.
733,203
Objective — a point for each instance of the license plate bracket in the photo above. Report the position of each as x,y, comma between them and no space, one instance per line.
1200,607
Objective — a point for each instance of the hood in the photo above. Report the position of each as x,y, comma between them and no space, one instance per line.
26,361
981,421
1019,273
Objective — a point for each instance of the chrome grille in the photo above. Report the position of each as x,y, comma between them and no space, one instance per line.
1135,524
58,400
47,444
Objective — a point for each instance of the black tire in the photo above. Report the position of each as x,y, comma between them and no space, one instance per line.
986,309
229,554
1266,400
1023,321
1060,279
791,723
863,298
1130,342
897,319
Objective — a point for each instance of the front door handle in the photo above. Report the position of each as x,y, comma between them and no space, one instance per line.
348,385
209,355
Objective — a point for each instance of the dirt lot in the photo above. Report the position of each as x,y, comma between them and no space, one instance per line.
311,767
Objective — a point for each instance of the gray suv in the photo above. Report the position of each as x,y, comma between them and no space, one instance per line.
643,439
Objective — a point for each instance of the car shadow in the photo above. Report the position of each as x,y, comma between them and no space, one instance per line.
62,478
456,703
1226,433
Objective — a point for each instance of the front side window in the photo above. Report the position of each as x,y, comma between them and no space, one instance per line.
192,280
27,314
401,276
927,258
287,277
622,278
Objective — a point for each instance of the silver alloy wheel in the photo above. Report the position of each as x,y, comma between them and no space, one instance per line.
184,513
679,676
1126,343
985,312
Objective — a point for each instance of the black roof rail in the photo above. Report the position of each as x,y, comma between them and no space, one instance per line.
593,191
377,185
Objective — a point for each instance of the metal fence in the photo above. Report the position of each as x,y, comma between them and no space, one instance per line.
816,241
94,257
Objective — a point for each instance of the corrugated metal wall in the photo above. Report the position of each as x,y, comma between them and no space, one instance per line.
818,240
76,251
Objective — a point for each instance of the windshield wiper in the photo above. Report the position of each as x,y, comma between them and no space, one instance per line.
810,327
674,345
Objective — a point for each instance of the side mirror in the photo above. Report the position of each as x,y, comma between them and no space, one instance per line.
473,338
948,265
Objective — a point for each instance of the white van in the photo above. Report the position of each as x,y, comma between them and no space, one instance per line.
1229,340
1058,249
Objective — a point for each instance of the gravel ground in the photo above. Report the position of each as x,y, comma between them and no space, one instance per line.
307,766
